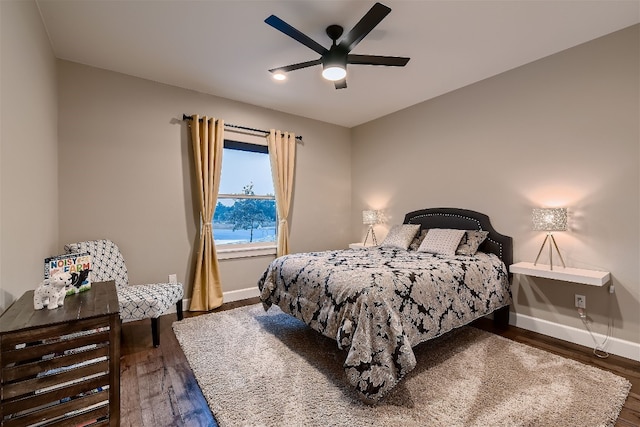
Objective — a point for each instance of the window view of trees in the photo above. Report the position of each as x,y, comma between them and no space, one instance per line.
245,213
245,220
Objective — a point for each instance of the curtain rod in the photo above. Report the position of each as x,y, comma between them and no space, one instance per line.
266,132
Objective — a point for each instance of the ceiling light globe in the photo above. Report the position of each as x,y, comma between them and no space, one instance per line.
334,73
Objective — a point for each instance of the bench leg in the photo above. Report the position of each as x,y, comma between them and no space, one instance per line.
179,309
154,331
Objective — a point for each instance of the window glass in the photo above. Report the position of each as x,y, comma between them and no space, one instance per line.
246,208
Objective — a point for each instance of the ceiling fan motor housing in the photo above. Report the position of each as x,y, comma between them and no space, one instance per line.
336,56
334,32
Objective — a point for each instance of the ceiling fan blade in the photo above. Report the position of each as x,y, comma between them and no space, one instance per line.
287,29
364,26
390,61
297,66
341,84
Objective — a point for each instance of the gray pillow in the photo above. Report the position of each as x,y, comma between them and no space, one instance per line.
415,244
400,236
470,242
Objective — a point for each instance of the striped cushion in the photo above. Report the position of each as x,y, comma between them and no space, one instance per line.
144,301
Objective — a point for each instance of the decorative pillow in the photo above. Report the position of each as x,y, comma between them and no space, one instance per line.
400,236
443,241
415,244
470,242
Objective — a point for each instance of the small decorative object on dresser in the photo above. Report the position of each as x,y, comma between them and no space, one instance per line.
78,265
52,291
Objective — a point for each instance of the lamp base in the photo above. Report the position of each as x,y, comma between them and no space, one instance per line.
550,238
373,236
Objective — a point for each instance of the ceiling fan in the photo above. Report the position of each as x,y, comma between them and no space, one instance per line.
335,59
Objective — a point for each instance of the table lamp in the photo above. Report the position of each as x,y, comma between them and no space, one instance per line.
370,218
550,220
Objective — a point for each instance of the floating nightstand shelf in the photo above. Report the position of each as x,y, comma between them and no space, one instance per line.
359,246
575,275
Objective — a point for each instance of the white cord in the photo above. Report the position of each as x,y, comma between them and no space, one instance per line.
599,349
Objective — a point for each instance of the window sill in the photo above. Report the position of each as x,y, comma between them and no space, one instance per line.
245,252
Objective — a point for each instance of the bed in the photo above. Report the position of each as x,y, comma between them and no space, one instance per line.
378,303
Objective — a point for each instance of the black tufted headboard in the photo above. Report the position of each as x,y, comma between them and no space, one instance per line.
464,219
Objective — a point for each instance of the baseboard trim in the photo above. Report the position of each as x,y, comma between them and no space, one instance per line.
241,294
616,346
229,296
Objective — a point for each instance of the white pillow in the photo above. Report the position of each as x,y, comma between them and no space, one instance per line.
400,236
441,241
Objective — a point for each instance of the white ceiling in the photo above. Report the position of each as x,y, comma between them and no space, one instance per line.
225,48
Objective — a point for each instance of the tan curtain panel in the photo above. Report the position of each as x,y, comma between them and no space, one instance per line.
207,137
282,153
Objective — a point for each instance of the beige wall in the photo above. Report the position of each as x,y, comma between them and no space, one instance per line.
126,174
28,150
561,131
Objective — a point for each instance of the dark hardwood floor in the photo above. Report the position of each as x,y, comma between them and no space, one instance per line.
158,387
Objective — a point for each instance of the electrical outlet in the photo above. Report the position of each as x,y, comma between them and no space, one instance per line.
173,278
581,301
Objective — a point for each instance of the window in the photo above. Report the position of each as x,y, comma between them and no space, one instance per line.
245,215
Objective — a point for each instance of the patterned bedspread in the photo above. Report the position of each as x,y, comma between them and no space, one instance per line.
379,303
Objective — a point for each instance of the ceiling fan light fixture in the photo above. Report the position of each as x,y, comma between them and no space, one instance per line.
334,72
334,60
279,75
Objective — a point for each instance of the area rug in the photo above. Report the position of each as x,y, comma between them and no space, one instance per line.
258,368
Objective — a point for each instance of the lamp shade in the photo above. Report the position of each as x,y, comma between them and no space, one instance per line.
369,217
549,219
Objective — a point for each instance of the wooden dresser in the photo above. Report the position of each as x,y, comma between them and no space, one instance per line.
62,366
